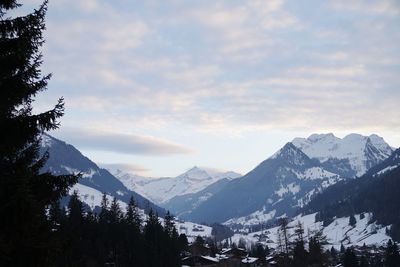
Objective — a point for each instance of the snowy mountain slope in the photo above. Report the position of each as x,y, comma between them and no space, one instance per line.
337,232
387,165
66,159
360,152
92,197
283,183
185,204
376,192
161,190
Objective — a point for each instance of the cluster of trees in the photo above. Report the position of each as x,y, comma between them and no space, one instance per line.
114,237
294,249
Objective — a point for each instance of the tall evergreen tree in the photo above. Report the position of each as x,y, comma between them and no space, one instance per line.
25,191
350,258
132,216
104,215
169,223
300,254
316,243
392,257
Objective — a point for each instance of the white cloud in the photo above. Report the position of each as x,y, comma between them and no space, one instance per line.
98,139
385,7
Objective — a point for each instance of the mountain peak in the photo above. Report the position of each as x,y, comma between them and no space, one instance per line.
360,151
318,137
291,154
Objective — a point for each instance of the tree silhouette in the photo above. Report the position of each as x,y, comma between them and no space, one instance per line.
25,191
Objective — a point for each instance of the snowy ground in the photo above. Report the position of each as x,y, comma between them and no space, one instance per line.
338,232
92,197
192,230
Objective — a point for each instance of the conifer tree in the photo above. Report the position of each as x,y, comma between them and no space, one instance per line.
169,225
316,252
25,191
300,254
104,216
350,258
132,216
352,220
392,257
115,212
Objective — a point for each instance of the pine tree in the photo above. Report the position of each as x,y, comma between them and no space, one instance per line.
25,191
284,230
74,232
115,212
392,257
132,216
316,243
352,220
153,233
169,225
350,258
104,215
300,255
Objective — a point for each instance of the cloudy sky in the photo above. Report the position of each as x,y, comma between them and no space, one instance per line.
160,86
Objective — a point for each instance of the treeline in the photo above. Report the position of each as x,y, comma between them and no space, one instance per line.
113,237
296,250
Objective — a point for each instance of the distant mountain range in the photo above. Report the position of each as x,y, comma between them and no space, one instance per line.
281,185
161,190
284,183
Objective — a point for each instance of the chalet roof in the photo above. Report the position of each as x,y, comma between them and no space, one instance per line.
227,250
210,258
249,260
200,258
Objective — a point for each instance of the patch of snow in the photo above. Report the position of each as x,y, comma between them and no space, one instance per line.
46,141
315,173
388,168
290,188
254,218
193,230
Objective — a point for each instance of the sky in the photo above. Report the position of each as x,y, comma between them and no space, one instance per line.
157,87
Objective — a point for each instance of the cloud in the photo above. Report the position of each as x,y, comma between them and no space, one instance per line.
126,167
384,7
122,143
224,67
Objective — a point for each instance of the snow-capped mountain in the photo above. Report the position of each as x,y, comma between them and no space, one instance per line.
185,204
279,185
354,153
160,190
289,179
66,159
